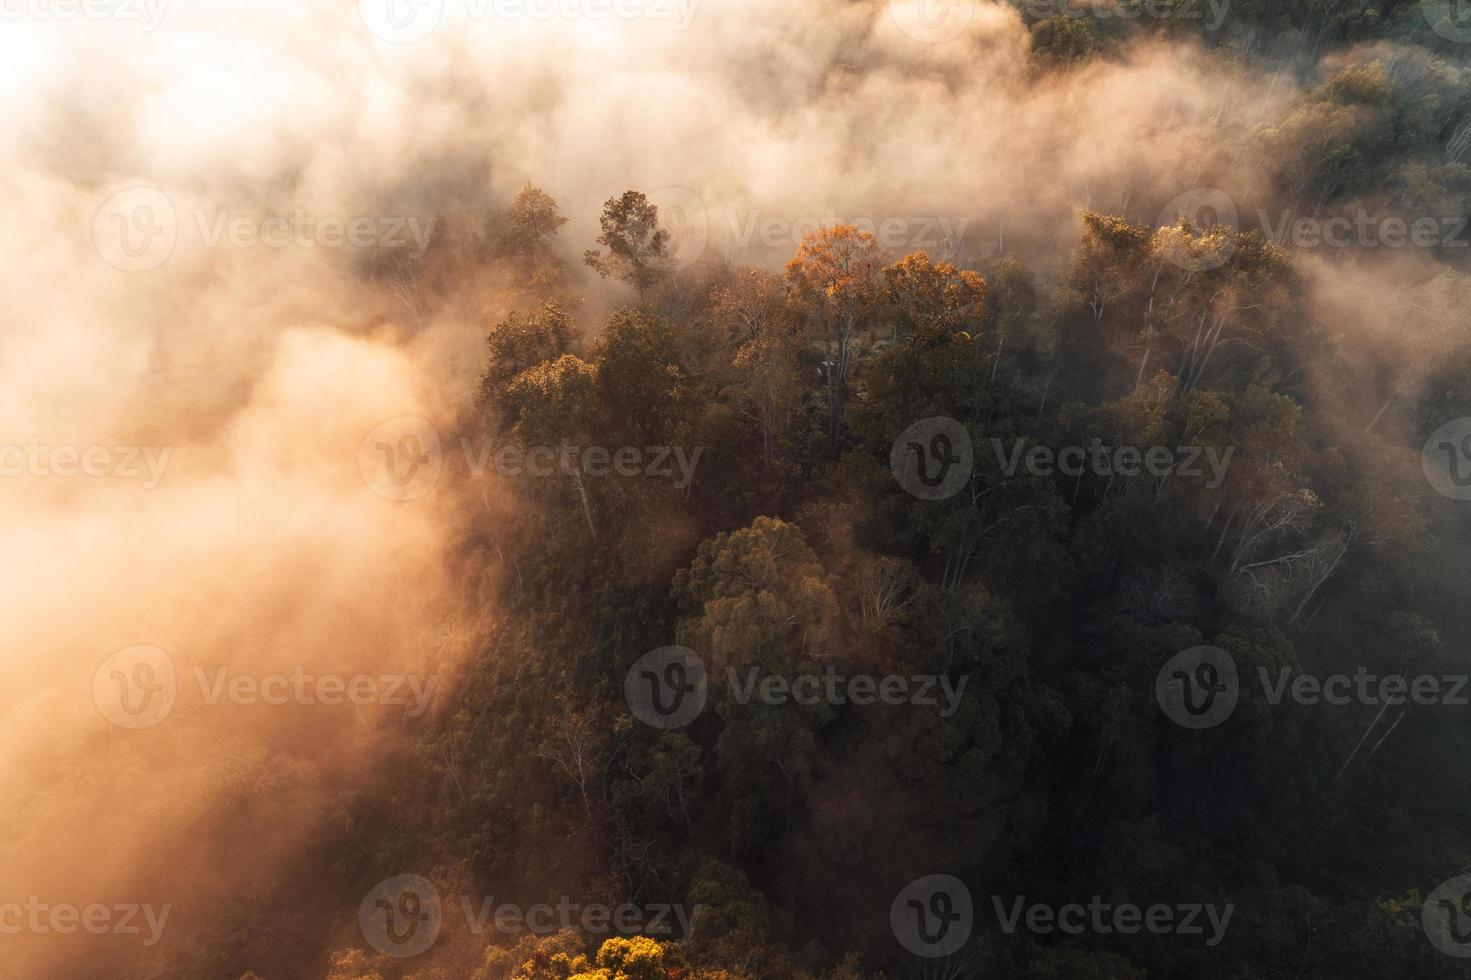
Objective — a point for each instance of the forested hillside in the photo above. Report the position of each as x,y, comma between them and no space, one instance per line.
1052,567
1305,540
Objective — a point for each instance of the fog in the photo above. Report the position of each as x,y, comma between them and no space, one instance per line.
249,374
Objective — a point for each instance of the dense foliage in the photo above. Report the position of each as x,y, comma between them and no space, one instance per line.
1055,599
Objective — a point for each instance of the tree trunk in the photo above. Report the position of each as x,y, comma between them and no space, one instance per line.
835,416
586,507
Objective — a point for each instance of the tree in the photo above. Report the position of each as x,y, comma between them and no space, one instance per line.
553,403
637,246
577,749
1238,296
1012,306
1265,503
885,588
759,326
836,280
352,964
533,957
663,782
526,229
1064,39
750,301
643,388
934,297
1107,264
519,342
638,958
760,597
